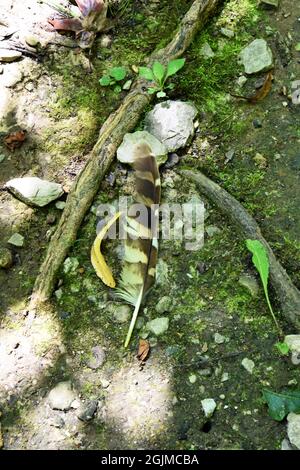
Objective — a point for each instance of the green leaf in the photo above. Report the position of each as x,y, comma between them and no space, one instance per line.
171,86
106,80
117,89
174,66
118,73
261,262
152,90
159,72
297,47
146,73
161,94
280,404
283,348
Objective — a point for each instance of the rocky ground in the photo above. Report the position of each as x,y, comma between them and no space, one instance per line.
65,380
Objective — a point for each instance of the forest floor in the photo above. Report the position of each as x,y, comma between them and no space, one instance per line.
79,339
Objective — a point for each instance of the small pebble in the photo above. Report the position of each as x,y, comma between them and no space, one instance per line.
209,405
60,205
219,339
192,378
248,364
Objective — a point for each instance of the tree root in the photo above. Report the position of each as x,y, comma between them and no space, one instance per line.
111,135
288,295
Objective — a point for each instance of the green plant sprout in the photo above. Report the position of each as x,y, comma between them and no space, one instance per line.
261,262
114,77
159,74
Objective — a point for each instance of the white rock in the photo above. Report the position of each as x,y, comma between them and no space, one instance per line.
126,151
294,429
7,55
12,77
62,396
257,57
209,405
16,239
34,191
171,122
242,80
248,364
293,342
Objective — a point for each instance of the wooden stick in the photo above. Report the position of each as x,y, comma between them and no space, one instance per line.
111,135
288,294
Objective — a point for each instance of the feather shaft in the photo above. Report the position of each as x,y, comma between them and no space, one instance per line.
139,268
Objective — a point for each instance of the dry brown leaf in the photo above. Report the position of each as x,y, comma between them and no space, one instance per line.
15,139
263,91
143,350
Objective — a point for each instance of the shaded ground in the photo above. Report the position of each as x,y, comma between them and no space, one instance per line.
159,406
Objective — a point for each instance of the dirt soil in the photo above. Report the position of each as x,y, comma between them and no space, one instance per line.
214,320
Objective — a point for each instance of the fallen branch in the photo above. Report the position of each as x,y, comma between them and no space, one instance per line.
288,294
111,135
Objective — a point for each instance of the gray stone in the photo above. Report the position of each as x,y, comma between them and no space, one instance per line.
206,51
270,3
249,283
70,265
7,55
256,57
171,122
6,258
208,405
248,364
126,151
293,342
16,239
97,359
164,305
286,445
87,413
61,396
294,429
228,33
158,326
219,339
121,313
34,191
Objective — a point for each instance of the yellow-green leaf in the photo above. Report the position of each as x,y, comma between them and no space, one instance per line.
97,259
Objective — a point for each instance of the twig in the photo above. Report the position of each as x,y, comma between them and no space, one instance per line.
111,135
